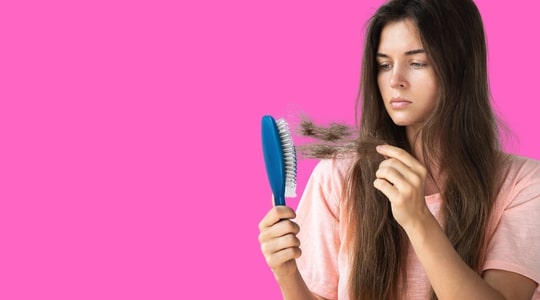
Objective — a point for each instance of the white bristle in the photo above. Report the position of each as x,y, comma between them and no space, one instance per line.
289,155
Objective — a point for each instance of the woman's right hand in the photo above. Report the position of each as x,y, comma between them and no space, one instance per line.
278,240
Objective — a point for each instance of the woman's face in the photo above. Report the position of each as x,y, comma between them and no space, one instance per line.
406,79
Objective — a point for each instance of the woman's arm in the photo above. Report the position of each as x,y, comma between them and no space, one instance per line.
293,287
402,178
281,247
451,278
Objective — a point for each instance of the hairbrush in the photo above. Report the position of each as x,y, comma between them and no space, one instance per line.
279,158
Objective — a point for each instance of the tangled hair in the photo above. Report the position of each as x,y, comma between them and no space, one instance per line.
335,140
460,137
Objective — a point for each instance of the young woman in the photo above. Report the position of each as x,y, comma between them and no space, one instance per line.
433,209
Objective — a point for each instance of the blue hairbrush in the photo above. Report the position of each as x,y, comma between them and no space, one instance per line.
279,158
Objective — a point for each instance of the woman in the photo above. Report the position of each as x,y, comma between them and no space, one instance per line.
435,209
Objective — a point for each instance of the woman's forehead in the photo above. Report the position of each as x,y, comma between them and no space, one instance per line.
399,37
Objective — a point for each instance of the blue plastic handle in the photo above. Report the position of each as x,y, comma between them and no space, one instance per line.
273,158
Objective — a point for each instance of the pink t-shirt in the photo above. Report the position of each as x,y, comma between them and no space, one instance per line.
513,231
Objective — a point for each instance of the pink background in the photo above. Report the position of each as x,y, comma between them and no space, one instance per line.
130,158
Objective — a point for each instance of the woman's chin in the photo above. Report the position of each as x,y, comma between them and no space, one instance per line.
401,122
407,123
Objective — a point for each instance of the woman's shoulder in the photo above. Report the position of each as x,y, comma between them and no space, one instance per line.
337,167
521,177
521,167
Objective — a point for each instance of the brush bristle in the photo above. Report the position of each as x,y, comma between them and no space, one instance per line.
289,156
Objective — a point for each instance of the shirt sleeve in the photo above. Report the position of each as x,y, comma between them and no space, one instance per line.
515,245
318,218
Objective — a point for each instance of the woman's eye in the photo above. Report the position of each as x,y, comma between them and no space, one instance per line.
417,65
385,67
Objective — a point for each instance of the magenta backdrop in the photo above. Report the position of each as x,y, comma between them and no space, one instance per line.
130,158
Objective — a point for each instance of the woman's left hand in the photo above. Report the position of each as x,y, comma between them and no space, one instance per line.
401,178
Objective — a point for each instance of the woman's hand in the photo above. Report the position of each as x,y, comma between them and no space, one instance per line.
278,240
401,178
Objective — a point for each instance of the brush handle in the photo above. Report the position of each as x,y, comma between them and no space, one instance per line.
273,158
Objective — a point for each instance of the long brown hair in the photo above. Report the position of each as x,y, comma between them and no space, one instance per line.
460,137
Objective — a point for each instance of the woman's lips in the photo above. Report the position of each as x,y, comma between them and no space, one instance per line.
399,102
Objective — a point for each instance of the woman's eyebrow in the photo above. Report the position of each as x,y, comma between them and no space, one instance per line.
417,51
410,52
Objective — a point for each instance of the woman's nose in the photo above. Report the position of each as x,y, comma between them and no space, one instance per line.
397,79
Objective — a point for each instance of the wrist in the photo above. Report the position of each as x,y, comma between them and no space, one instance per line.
286,271
422,227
